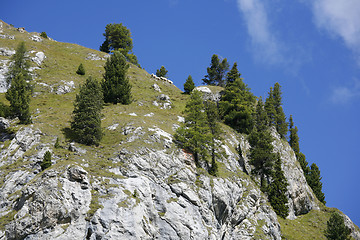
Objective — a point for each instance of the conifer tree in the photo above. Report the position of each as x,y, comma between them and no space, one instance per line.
189,85
294,138
270,108
194,135
237,106
86,123
277,190
261,152
212,114
81,69
336,228
20,65
233,74
261,118
216,73
46,163
118,38
280,119
20,90
116,86
162,72
19,97
275,111
315,182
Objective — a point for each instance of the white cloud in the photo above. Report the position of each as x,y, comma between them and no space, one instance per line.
340,18
265,44
343,95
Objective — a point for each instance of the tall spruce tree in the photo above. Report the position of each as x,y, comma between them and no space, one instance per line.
270,108
277,190
261,152
212,115
280,119
116,86
18,78
20,65
86,122
189,85
336,228
294,138
237,106
194,135
216,73
19,97
233,74
314,180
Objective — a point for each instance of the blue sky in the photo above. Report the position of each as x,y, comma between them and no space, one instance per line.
311,47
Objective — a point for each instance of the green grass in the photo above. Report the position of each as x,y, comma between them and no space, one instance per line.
309,226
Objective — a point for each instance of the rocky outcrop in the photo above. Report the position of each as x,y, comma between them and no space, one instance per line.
208,94
4,68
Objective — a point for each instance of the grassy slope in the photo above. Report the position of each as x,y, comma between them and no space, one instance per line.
52,114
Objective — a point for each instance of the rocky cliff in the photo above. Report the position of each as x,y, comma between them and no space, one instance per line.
138,184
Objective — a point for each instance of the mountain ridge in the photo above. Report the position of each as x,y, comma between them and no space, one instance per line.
136,157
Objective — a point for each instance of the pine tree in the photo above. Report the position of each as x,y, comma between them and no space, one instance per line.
261,118
81,69
162,72
270,108
336,228
237,106
315,183
233,74
19,97
277,190
20,65
46,163
275,111
304,165
118,38
261,152
280,119
212,114
216,73
294,138
189,85
116,86
194,135
86,123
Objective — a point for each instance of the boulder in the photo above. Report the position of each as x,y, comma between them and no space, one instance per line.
39,58
6,52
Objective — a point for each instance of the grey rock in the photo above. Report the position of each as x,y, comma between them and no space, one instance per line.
6,36
4,68
36,38
163,97
94,57
39,58
65,87
156,87
208,94
6,52
74,148
4,123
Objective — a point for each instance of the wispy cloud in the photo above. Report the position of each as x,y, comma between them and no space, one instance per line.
264,43
340,18
343,95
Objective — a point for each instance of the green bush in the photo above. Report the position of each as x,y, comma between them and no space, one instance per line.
46,161
43,35
81,69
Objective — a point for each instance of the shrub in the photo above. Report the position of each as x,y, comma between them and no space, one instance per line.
81,69
43,35
46,161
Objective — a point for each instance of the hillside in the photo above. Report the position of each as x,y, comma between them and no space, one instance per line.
138,184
